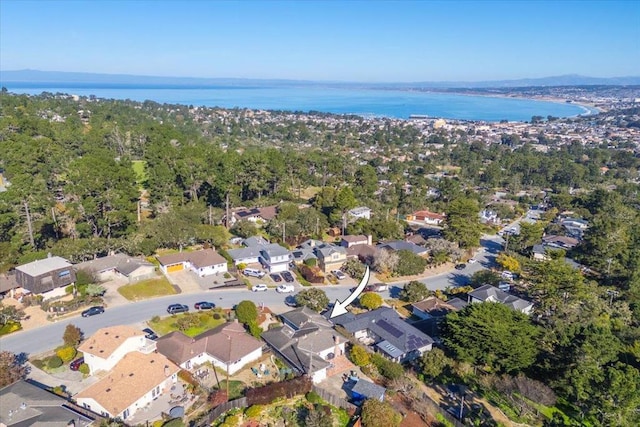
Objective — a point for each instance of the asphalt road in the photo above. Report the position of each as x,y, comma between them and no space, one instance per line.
47,337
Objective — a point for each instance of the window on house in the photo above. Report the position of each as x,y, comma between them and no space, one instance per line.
65,273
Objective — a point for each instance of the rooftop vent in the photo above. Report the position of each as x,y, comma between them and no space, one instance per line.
108,390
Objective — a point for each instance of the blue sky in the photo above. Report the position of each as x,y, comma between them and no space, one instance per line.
369,41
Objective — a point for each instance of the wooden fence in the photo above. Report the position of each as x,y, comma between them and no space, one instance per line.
221,409
335,400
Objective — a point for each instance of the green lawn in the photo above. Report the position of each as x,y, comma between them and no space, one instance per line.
139,167
147,289
199,322
236,388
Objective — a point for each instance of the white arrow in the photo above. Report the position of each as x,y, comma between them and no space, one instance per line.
341,307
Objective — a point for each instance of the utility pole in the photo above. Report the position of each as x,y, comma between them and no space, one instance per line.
317,226
228,219
284,229
138,209
26,209
210,219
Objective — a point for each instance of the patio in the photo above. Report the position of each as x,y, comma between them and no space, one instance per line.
176,396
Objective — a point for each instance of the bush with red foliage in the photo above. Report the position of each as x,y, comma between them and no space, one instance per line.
218,398
266,394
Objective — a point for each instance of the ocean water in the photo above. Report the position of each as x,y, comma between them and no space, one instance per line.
365,102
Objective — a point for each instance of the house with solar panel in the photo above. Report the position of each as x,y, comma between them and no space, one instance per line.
386,333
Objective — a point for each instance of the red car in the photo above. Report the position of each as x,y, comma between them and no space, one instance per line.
75,365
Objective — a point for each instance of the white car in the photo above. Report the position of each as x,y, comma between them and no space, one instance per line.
285,288
259,288
339,274
472,261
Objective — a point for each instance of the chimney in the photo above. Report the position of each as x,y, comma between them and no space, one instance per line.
49,255
167,372
370,240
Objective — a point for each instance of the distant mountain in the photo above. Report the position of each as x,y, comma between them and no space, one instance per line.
66,78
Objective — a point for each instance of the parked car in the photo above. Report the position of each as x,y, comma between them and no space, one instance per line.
508,275
339,274
376,287
75,365
253,273
177,308
92,311
290,301
204,305
150,334
259,288
276,277
287,276
460,266
284,289
472,261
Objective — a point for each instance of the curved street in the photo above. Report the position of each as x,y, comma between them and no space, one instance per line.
49,336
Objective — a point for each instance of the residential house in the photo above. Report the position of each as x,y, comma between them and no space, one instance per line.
387,333
416,239
350,241
426,217
255,215
25,404
46,275
204,262
272,256
330,257
227,347
107,346
134,382
8,284
559,242
360,212
306,342
401,245
489,293
435,308
488,216
539,253
118,266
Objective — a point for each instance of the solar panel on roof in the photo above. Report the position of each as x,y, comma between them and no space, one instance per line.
387,327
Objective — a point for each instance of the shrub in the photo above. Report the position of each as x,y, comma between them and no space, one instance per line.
227,276
247,312
54,362
253,411
359,356
66,353
311,262
72,336
204,318
38,363
241,266
255,329
370,300
387,368
155,319
217,316
313,397
84,369
176,422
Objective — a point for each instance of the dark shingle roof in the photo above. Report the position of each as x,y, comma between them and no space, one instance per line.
385,323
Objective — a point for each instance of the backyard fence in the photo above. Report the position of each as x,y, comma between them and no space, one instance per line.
434,408
335,400
221,409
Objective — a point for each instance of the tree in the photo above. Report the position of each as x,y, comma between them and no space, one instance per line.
354,268
359,356
409,263
433,363
12,368
10,313
376,413
72,336
529,235
247,312
508,262
370,300
414,291
244,229
314,298
385,261
463,223
94,289
492,334
485,277
320,416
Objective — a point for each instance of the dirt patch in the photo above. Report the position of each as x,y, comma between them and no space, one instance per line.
35,317
428,272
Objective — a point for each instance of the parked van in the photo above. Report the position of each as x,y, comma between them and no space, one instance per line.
254,273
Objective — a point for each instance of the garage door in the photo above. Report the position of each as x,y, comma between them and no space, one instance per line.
174,268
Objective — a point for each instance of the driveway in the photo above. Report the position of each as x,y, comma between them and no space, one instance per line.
73,381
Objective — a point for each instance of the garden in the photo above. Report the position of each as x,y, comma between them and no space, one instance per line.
191,324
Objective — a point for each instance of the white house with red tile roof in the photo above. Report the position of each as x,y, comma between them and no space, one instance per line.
204,262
